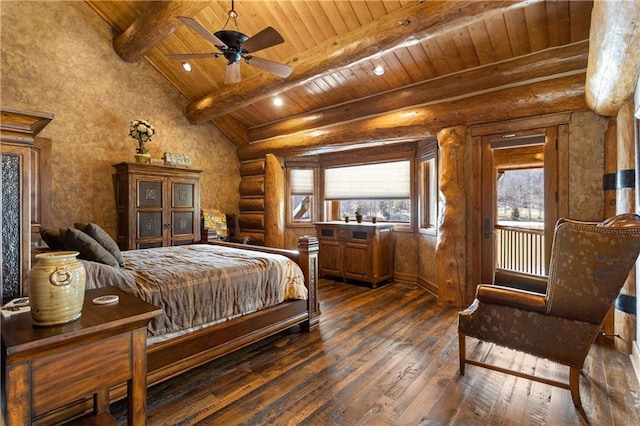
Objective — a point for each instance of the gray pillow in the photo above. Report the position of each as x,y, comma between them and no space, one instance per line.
89,249
103,238
52,238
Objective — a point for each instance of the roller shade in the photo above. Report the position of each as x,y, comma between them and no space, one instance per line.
301,181
378,181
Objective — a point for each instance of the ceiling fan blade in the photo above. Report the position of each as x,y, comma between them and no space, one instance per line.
232,74
197,27
265,38
187,56
276,68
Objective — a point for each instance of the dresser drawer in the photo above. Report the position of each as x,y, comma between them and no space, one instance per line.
69,375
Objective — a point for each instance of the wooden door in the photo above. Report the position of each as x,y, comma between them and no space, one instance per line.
150,197
184,211
520,150
331,240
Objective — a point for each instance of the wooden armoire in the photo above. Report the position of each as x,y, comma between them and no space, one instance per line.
157,206
25,176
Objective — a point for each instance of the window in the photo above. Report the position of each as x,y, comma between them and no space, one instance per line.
301,184
381,189
521,198
429,189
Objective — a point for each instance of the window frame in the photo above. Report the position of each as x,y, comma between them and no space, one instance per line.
428,172
314,216
331,209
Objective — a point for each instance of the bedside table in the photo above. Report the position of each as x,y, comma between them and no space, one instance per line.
47,368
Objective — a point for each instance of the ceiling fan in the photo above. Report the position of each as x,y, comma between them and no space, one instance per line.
235,46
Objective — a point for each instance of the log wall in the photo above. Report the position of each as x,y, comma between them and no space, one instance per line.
261,202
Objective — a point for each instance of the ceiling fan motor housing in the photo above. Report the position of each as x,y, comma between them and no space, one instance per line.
233,40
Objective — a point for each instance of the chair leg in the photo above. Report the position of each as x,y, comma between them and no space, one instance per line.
574,385
461,351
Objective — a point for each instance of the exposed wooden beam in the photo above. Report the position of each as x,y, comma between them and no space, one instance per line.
565,93
152,27
544,64
614,55
406,26
232,129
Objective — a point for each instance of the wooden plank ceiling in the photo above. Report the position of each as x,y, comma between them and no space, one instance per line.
442,60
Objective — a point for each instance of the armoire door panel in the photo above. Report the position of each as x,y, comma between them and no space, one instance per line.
182,195
149,194
150,224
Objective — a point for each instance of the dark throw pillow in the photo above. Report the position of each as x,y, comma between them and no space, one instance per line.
89,249
52,238
103,238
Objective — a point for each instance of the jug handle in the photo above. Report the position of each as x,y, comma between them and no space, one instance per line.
60,277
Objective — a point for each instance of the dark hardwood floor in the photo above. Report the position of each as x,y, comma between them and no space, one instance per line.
387,356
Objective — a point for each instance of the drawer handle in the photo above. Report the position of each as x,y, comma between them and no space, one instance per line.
61,276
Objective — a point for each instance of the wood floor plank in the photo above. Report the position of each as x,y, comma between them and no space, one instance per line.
387,356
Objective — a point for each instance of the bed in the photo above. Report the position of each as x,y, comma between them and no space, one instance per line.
181,338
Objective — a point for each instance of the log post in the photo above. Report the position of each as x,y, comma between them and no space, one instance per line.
609,210
451,246
274,202
625,304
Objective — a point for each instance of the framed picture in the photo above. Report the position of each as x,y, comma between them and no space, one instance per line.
176,159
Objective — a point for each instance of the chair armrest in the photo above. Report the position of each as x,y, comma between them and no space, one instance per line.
515,298
521,281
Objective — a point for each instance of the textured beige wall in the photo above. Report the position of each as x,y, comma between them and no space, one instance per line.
57,57
586,165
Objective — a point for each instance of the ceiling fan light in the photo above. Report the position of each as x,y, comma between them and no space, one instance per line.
378,70
186,66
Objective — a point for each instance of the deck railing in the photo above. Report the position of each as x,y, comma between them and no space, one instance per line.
520,250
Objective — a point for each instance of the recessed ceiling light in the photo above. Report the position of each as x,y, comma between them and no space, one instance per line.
186,66
378,70
277,101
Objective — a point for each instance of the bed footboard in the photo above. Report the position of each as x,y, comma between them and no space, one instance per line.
307,258
170,358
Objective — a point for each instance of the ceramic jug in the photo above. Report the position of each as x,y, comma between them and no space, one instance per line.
56,288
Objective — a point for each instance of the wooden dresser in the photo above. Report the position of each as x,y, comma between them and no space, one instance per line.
51,371
358,251
157,206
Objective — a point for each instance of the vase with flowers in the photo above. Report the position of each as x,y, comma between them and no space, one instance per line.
142,131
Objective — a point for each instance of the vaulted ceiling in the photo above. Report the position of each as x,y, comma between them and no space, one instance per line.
447,63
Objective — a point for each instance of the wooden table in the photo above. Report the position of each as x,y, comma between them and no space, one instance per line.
47,368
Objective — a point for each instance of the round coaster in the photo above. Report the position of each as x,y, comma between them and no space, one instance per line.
106,300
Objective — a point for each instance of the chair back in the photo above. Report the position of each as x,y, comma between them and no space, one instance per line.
589,265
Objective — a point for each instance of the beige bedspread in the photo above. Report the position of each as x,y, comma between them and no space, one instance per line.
200,284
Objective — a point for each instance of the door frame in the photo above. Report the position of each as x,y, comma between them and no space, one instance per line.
555,129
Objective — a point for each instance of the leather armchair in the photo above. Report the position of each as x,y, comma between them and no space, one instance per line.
589,265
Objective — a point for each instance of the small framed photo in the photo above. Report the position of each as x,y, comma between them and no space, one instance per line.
176,159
